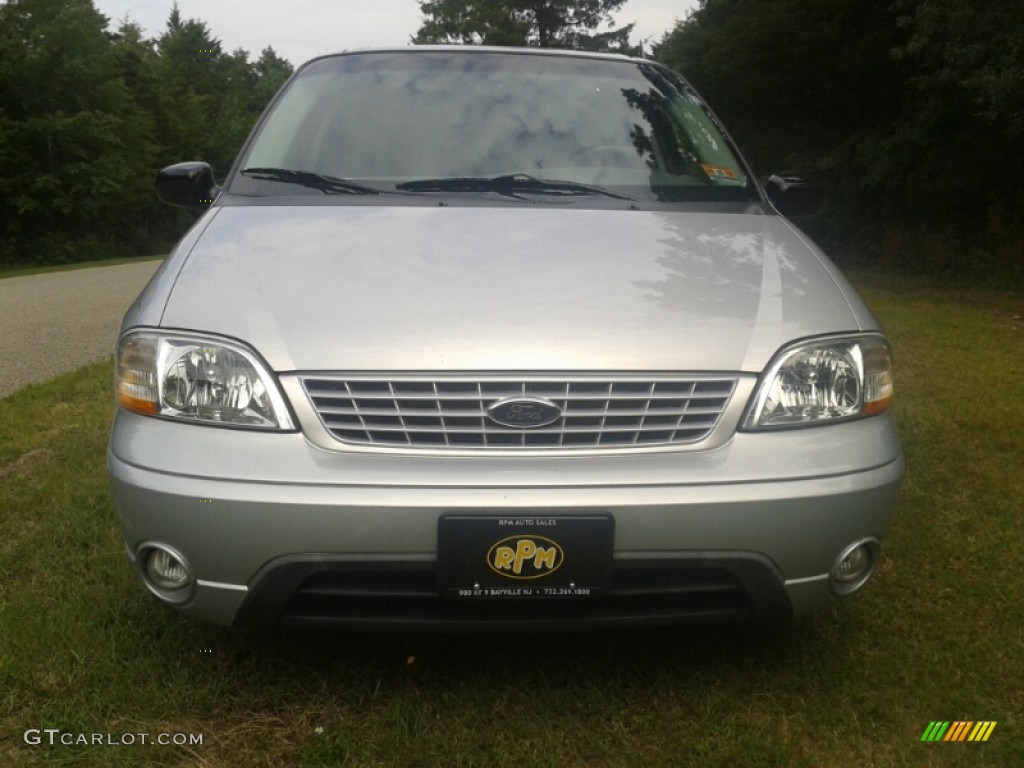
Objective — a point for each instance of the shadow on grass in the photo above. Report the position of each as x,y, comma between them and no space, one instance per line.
649,659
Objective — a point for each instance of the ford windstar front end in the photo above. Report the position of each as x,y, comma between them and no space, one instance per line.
498,338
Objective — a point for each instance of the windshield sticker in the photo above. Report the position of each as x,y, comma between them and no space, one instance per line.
720,173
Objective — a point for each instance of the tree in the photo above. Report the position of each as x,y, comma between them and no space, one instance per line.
907,112
545,23
793,79
971,45
70,141
270,72
209,99
190,91
88,116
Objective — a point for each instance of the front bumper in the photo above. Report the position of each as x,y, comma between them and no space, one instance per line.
265,521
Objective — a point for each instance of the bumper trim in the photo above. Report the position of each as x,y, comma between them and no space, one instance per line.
807,580
221,585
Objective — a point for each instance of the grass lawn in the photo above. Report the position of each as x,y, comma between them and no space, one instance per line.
939,634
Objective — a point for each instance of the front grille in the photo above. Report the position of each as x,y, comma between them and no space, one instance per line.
453,413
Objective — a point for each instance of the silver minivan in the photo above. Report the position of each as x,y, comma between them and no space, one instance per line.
495,338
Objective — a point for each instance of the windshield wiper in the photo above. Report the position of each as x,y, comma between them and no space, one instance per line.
326,184
512,184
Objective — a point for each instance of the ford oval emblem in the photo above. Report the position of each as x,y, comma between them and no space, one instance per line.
524,412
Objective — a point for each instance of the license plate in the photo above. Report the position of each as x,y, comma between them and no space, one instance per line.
524,556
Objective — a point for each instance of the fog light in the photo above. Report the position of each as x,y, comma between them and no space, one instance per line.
854,566
165,570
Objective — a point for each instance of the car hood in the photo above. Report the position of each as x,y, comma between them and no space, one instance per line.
381,288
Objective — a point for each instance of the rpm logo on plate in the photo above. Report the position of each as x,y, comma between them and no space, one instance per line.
525,557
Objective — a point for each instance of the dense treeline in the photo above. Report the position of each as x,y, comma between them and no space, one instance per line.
577,24
909,112
89,114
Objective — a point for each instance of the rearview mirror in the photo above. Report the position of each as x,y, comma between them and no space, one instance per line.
793,196
187,185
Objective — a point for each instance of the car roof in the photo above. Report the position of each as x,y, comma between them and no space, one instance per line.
522,50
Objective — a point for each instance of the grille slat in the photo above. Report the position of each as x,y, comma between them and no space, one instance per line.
481,413
500,431
490,397
432,414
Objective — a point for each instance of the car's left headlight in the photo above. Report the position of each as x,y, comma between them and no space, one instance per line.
823,380
198,379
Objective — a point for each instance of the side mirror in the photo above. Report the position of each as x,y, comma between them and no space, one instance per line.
792,196
187,185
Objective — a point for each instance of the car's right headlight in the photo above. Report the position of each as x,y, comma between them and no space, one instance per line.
824,380
195,378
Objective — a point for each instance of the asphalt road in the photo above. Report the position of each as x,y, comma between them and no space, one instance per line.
58,322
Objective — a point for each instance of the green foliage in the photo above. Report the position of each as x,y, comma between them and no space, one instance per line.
69,151
88,116
974,47
545,23
908,113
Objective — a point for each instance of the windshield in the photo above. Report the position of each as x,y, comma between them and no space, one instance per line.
386,119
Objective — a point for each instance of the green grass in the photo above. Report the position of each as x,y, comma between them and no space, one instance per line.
938,635
39,270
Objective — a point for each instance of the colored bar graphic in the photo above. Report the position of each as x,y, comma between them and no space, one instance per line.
958,730
982,731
